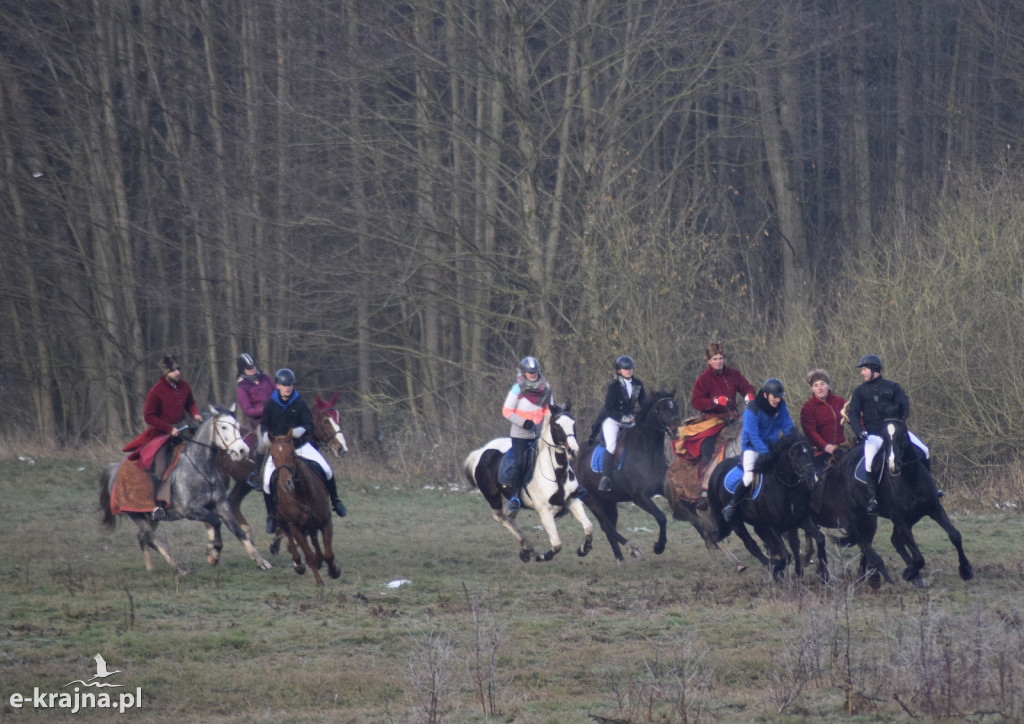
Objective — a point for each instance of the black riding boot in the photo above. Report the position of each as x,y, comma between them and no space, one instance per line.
737,498
268,500
872,507
332,490
607,467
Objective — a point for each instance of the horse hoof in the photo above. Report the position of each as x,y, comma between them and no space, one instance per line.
275,546
525,556
966,572
740,567
918,582
264,565
300,570
334,571
583,550
636,553
659,548
546,557
212,560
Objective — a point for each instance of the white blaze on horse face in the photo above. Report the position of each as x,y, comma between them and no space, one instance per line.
337,438
891,430
568,427
229,437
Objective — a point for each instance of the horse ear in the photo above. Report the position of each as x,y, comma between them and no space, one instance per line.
334,399
213,410
568,406
318,400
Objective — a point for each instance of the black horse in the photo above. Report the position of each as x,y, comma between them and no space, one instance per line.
639,471
781,506
906,493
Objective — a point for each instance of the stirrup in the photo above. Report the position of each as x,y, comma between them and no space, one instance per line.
872,507
271,526
339,507
728,511
514,504
702,504
158,513
251,480
604,485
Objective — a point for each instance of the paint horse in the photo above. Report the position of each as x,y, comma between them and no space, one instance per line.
551,488
197,491
303,509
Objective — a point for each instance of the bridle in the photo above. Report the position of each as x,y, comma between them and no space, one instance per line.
805,469
666,427
554,446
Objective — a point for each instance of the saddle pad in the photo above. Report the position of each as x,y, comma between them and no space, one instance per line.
682,481
598,457
734,479
507,469
861,473
133,490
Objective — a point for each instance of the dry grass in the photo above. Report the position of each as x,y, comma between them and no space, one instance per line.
479,636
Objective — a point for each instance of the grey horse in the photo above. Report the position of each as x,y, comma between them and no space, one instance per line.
197,492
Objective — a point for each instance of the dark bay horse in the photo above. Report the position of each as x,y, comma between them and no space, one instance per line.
552,487
906,493
327,431
303,509
781,505
639,473
197,491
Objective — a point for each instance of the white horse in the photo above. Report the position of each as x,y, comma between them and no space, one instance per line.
552,487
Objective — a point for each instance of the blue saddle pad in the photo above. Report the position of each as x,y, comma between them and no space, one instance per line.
861,472
507,469
734,479
597,459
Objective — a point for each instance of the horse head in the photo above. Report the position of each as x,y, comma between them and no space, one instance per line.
282,452
791,456
894,435
224,432
661,412
328,426
560,430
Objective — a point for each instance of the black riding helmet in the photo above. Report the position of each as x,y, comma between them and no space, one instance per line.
872,361
284,376
625,362
529,364
773,386
244,362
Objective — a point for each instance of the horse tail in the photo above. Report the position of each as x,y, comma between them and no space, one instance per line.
107,519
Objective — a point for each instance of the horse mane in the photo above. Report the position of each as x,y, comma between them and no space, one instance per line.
653,399
776,450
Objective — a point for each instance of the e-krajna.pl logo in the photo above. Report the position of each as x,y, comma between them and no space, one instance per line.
77,700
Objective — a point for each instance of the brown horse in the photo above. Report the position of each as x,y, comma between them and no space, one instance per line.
326,431
303,509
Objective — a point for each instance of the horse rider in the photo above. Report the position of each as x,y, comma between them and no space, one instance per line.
286,411
764,421
821,417
525,406
253,389
873,402
624,396
169,403
715,391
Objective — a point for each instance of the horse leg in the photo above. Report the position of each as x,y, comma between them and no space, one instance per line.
646,504
327,532
871,564
238,492
526,552
297,565
793,536
903,541
749,543
148,539
224,513
813,533
547,519
778,555
597,507
938,514
311,558
579,512
214,542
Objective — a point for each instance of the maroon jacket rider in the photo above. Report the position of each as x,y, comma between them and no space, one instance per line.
167,403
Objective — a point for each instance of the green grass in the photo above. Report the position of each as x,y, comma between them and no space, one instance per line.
479,636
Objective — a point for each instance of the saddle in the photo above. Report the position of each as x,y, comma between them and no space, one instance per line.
685,477
507,466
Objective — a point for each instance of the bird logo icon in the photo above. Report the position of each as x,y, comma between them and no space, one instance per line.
101,673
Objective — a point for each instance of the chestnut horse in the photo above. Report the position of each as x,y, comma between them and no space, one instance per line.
326,431
303,509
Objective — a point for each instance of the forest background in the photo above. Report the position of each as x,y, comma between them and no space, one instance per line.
399,200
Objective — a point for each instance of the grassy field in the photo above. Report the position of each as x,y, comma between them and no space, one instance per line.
476,636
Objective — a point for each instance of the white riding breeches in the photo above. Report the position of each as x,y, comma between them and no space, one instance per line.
874,443
749,460
610,431
306,452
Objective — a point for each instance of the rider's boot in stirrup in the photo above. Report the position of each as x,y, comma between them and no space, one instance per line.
730,508
332,490
268,501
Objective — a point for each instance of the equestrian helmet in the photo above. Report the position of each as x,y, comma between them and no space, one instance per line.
872,361
244,362
625,362
773,386
284,376
529,364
